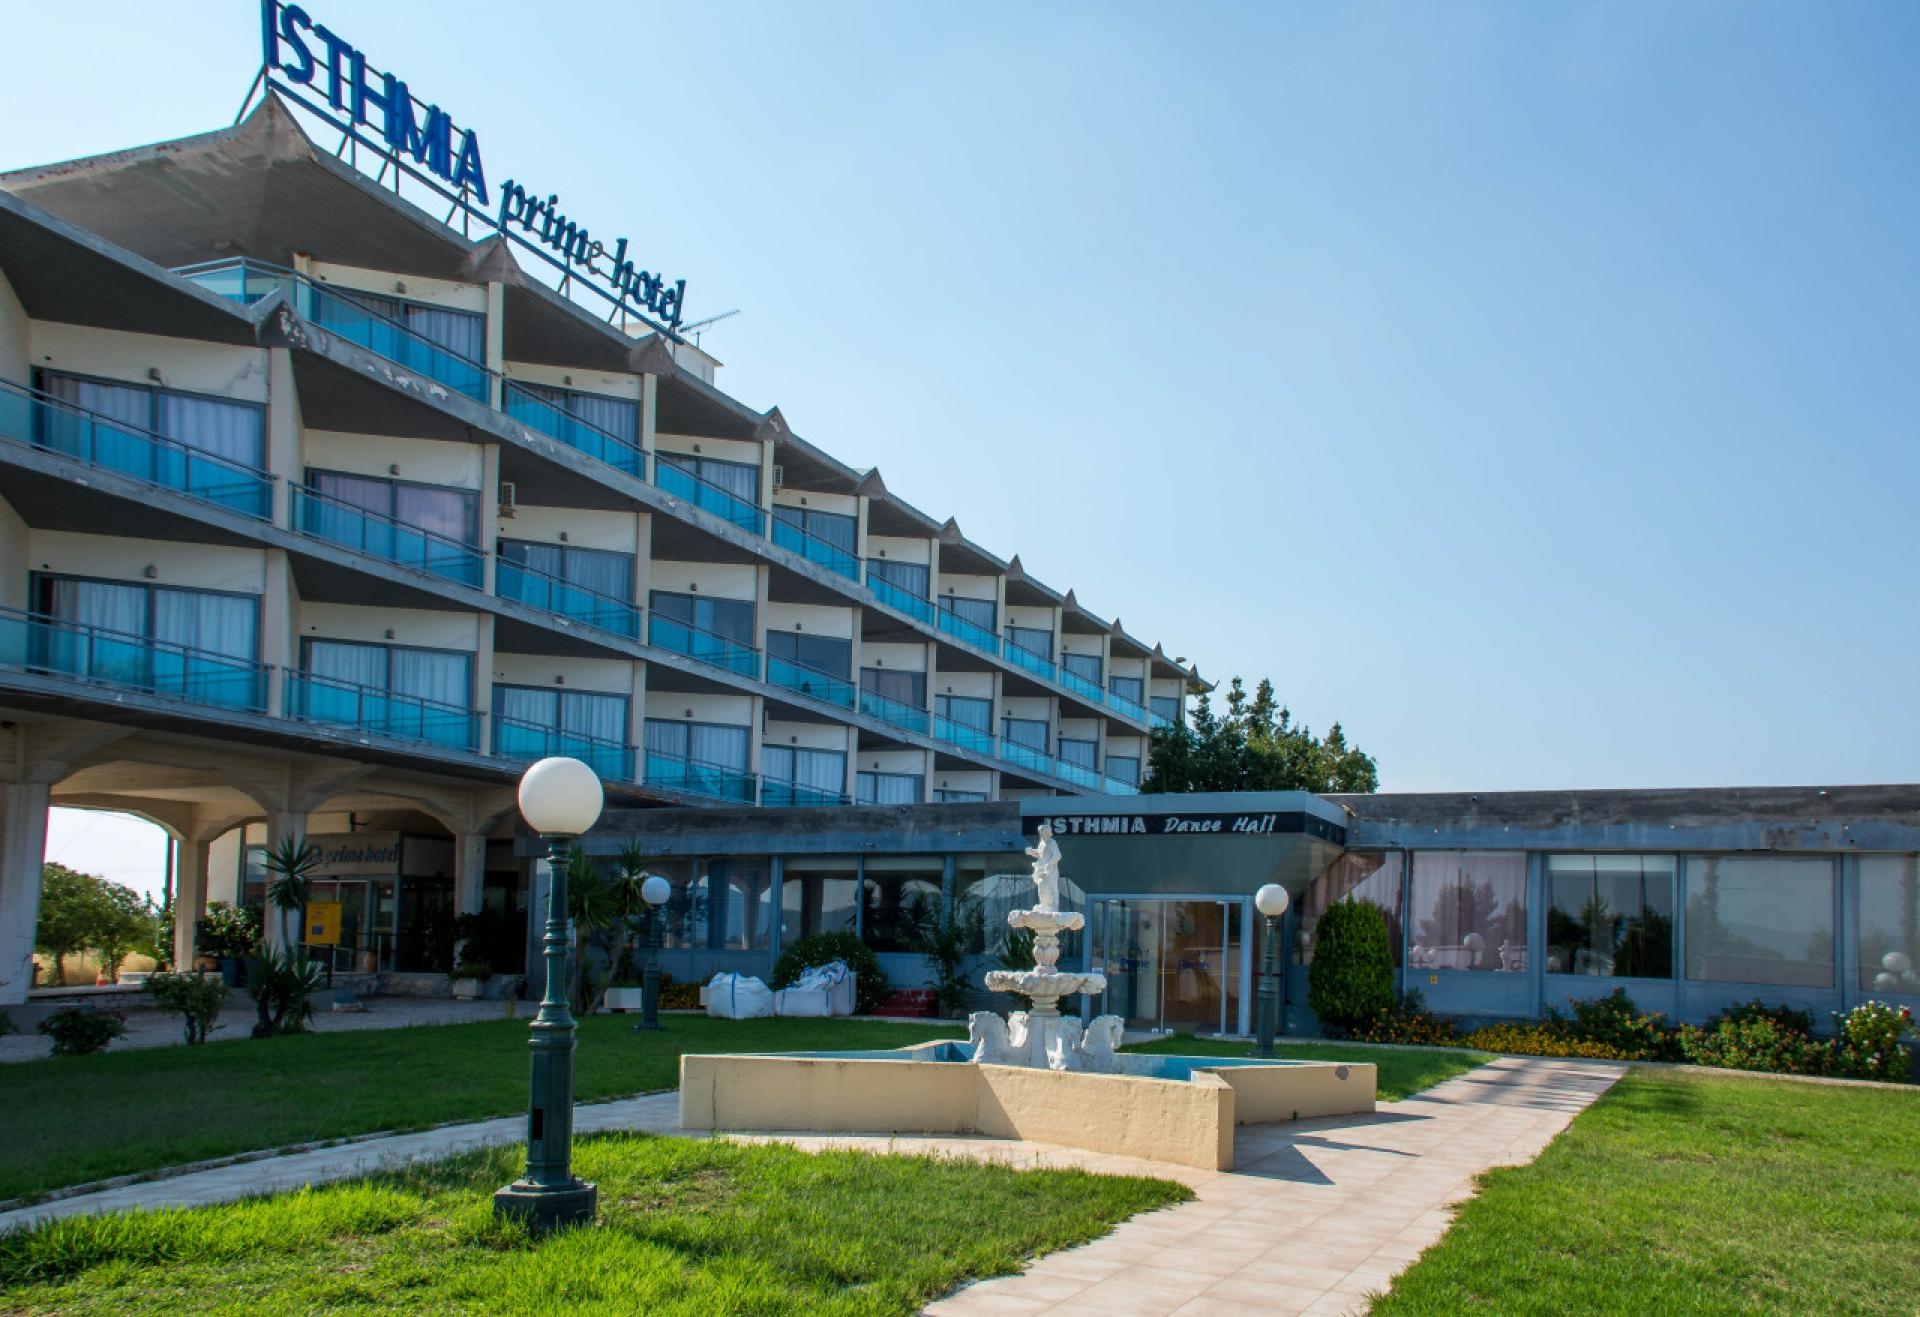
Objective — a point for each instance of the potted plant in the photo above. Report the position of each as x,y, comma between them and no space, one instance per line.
228,935
470,979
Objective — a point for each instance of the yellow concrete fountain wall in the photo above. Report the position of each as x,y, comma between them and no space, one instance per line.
1188,1122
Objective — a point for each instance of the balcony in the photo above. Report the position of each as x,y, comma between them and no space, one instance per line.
1024,756
697,777
967,632
706,495
1158,721
967,738
36,419
1079,685
1113,786
905,716
1078,774
583,436
247,281
814,549
810,681
1037,664
1126,708
514,739
537,589
778,791
899,599
377,711
323,517
47,646
685,638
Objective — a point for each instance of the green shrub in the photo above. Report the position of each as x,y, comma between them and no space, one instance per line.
1540,1038
870,987
1869,1043
1409,1021
1755,1042
1614,1022
197,999
1351,979
76,1030
283,985
1784,1018
230,931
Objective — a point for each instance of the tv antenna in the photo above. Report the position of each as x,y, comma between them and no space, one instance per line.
698,325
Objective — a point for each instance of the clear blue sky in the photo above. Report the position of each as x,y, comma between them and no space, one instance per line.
1533,388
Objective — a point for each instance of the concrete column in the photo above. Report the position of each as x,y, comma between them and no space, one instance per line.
496,342
285,461
23,851
279,644
483,679
281,824
489,511
469,871
189,897
649,420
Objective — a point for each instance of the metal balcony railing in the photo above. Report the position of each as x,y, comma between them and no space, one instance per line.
1113,786
39,420
538,589
1037,761
779,791
876,705
720,781
336,521
704,494
1039,665
517,739
685,638
810,681
814,549
900,598
1079,685
967,738
331,702
977,636
49,646
530,409
1126,707
1078,774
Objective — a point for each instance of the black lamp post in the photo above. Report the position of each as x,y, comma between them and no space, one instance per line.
1271,901
654,890
560,799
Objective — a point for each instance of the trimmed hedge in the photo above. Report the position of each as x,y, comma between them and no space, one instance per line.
1350,981
870,985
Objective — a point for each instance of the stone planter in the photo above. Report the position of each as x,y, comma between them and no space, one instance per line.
468,989
625,999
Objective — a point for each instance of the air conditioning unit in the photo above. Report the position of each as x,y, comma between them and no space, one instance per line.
779,475
507,493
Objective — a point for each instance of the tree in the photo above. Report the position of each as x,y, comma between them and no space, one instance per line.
291,861
82,912
1351,978
1254,746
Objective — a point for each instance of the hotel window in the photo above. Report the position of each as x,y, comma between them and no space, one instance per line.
1370,876
819,894
451,514
712,745
1085,666
945,796
1760,919
592,715
1028,733
890,788
1124,768
737,897
901,900
462,333
814,772
908,576
730,619
1469,911
1034,640
603,571
831,655
222,427
896,684
197,644
965,711
1165,706
1890,923
619,417
1082,754
1131,689
440,676
1611,916
834,528
740,479
977,612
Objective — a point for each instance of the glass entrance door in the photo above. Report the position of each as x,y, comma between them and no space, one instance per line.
1170,964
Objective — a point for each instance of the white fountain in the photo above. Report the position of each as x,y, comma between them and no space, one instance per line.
1040,1036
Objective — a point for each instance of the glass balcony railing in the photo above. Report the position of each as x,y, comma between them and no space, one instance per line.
961,629
703,494
814,549
684,638
1079,685
967,738
1078,774
515,739
810,681
332,702
1037,664
778,791
1036,761
876,705
1158,720
1113,786
48,646
28,416
603,446
517,581
899,598
670,773
327,518
247,281
1126,708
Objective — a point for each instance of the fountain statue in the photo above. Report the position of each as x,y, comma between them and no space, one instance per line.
1039,1036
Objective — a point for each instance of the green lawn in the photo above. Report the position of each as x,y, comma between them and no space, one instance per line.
1402,1070
73,1119
1696,1194
686,1226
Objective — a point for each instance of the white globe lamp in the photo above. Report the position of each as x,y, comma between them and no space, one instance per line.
560,797
1270,901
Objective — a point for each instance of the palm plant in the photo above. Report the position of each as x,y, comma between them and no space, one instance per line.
594,903
291,861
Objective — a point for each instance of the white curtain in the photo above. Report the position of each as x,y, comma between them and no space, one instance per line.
1077,752
909,576
602,571
980,612
459,332
217,623
226,429
619,417
1028,732
120,608
666,738
600,716
1085,666
965,711
448,513
431,675
908,688
526,704
1032,639
891,788
721,746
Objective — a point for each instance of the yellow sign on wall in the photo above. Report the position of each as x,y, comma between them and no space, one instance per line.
323,923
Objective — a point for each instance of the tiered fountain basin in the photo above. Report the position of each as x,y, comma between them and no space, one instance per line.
1179,1109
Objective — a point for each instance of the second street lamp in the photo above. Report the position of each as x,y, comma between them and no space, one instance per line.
1271,901
654,891
560,799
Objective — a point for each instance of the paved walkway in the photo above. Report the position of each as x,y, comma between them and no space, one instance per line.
1317,1214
